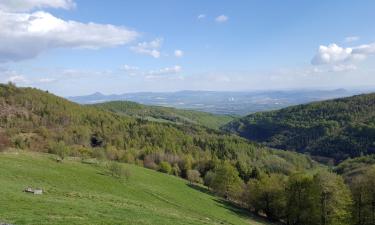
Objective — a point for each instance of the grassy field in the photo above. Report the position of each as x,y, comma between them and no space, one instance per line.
77,193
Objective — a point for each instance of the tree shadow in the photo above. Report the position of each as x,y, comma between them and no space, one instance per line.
200,188
234,208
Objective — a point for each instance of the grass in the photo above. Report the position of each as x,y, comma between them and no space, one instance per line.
77,193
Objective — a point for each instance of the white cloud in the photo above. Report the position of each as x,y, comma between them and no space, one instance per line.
16,79
343,68
341,58
164,71
201,16
26,35
351,39
28,5
178,53
149,48
331,54
130,70
46,80
222,19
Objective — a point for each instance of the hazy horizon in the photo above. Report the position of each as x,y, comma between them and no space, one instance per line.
74,47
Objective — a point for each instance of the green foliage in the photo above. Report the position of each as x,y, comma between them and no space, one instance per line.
266,195
60,149
34,119
166,114
332,199
118,171
337,129
363,191
165,167
194,176
226,181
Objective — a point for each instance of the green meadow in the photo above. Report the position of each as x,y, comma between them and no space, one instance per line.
80,193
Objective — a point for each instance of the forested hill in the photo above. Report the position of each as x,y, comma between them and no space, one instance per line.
35,120
337,129
166,114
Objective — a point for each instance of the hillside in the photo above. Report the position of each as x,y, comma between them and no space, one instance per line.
337,129
166,114
35,120
77,193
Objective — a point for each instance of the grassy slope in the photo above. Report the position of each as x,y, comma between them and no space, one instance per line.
78,193
166,114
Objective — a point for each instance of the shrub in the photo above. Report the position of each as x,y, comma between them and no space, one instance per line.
194,176
4,142
118,170
60,149
165,167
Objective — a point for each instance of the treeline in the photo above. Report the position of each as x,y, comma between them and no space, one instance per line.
166,114
319,198
337,129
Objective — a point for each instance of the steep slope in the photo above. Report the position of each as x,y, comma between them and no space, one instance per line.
166,114
336,129
77,193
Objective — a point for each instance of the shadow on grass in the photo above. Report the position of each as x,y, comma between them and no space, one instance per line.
236,209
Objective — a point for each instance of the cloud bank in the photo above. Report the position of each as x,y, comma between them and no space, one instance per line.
26,35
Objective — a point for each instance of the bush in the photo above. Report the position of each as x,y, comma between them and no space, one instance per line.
194,176
165,167
208,179
60,149
4,142
118,170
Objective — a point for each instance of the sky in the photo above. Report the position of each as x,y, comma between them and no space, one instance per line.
78,47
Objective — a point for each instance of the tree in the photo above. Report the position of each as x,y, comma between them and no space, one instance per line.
299,199
267,195
60,149
226,181
165,167
363,192
194,176
332,200
209,178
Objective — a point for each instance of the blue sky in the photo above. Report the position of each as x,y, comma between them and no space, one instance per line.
75,47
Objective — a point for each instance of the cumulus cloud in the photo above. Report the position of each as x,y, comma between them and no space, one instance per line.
26,35
332,54
28,5
222,19
151,48
178,53
341,58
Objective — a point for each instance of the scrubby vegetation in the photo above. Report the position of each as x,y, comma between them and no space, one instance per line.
336,129
166,114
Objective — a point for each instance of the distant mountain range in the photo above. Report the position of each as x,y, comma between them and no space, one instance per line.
218,102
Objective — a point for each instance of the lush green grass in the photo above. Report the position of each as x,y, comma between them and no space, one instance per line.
77,193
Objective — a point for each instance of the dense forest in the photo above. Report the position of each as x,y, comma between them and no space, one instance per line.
166,114
283,186
36,120
336,129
